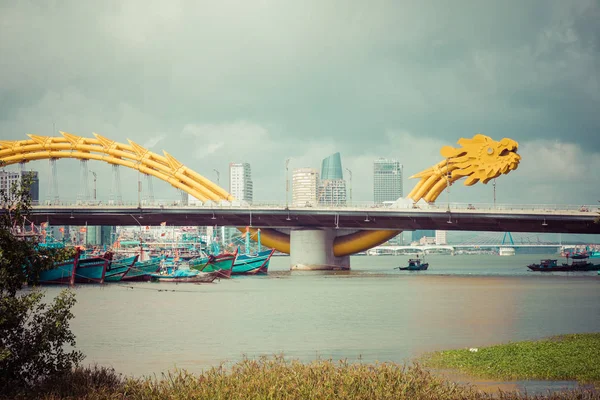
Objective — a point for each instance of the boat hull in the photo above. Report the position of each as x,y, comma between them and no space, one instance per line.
141,270
116,270
63,273
422,267
201,277
91,270
252,264
564,268
221,264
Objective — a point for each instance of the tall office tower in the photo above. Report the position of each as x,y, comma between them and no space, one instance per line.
441,237
305,183
387,180
331,168
240,181
9,178
332,187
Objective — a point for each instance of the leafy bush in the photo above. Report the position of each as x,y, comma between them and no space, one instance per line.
33,334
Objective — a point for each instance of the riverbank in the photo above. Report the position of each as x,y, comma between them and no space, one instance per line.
277,378
572,357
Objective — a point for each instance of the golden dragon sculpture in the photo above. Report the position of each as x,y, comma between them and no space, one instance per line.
479,159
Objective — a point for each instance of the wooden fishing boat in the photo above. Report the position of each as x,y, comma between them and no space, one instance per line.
221,264
185,276
252,264
62,273
141,270
92,269
117,269
415,264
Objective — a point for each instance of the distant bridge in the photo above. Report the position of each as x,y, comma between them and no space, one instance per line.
394,250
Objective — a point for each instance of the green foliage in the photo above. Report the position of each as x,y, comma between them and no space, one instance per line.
275,378
33,334
567,357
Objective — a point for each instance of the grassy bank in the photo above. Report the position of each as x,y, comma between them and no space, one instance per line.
276,378
566,357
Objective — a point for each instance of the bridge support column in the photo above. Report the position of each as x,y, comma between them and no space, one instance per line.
312,250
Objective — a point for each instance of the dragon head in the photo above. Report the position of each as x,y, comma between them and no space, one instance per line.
478,159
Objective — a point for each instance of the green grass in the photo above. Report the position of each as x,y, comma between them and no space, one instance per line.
277,378
566,357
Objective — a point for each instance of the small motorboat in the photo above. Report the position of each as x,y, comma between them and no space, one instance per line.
185,276
415,264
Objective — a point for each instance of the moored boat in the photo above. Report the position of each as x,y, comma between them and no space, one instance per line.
117,269
578,264
415,264
141,270
252,264
185,276
62,273
221,264
92,269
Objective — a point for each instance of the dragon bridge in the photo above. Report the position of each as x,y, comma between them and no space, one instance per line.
478,159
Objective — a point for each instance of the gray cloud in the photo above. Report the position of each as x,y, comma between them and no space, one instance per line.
263,81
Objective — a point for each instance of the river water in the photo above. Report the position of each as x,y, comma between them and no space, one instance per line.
371,313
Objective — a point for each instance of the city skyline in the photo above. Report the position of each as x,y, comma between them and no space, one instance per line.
402,91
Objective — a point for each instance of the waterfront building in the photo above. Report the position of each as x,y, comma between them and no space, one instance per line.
305,184
240,182
387,180
332,187
441,238
8,179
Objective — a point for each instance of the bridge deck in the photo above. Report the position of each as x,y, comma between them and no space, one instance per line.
500,220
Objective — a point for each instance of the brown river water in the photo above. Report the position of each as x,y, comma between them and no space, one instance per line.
371,313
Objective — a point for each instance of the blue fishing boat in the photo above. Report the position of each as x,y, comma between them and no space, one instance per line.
63,273
141,270
252,264
92,269
118,268
221,263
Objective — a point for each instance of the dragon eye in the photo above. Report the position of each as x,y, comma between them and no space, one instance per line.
490,150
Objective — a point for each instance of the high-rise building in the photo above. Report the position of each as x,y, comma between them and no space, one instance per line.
332,192
331,168
387,180
8,179
305,183
240,181
441,237
332,187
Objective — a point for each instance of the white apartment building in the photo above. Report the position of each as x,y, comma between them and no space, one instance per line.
305,184
8,180
441,238
332,192
240,181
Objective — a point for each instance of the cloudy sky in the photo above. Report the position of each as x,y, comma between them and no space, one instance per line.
263,81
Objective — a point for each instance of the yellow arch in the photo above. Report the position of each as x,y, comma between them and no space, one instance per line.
132,156
481,158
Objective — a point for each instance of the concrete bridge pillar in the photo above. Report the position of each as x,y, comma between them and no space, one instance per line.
312,250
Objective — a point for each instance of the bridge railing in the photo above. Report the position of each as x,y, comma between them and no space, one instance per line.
355,206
